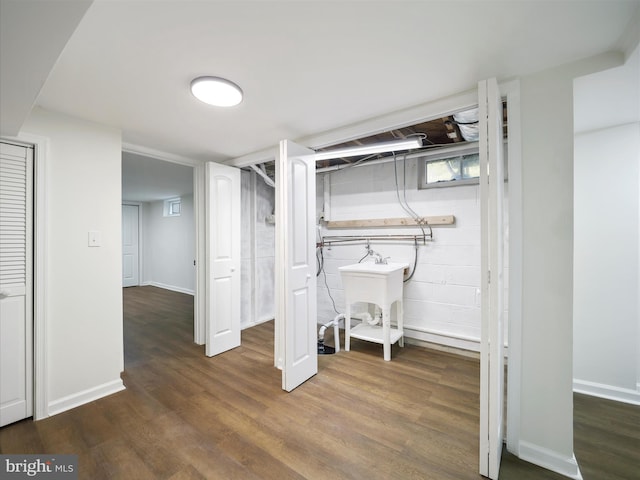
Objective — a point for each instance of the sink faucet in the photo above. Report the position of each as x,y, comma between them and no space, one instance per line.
379,259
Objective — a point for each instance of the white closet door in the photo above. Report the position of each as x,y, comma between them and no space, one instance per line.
492,285
16,302
130,246
223,212
296,311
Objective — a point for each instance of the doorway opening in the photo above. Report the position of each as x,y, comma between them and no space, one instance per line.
159,243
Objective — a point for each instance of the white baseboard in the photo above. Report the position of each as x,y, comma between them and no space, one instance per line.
545,458
257,322
86,396
442,348
609,392
173,288
458,342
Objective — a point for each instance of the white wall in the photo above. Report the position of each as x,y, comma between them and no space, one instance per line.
168,247
441,301
546,397
606,230
83,284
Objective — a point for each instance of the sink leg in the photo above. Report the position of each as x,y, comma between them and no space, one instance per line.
386,333
399,313
347,327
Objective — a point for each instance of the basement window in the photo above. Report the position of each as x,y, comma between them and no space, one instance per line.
172,207
453,167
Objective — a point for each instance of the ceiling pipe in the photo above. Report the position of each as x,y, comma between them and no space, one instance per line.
267,179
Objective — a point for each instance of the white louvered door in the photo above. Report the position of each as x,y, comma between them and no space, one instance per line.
16,277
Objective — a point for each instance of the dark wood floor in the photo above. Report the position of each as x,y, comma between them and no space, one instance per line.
186,416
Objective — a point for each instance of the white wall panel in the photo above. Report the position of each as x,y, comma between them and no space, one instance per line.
83,284
606,325
169,247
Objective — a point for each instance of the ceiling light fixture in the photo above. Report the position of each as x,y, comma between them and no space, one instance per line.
216,91
383,147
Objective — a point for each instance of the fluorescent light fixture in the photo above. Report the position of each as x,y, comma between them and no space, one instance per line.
216,91
393,146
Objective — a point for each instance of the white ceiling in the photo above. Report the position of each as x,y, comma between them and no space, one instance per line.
146,179
305,67
32,35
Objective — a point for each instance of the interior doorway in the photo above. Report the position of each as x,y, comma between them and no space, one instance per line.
159,226
162,195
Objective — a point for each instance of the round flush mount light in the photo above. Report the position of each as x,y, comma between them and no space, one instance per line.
216,91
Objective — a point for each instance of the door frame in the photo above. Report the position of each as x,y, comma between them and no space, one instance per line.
200,227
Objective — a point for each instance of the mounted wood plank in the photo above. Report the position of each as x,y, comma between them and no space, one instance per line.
391,222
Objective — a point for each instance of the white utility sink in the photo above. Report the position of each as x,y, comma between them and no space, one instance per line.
376,268
381,284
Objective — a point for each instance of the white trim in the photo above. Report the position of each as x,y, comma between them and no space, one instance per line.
75,400
439,346
258,322
554,461
610,392
514,254
167,157
164,286
463,342
398,119
199,212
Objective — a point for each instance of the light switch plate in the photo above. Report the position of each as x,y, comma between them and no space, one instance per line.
95,238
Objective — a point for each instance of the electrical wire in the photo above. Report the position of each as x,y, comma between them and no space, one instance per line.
324,274
415,264
417,218
365,255
320,260
406,207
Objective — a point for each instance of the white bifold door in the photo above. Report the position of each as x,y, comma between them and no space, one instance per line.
296,316
491,266
16,279
222,317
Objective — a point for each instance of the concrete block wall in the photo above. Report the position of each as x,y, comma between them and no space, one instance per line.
442,300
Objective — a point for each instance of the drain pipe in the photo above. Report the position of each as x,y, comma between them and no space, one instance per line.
336,330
